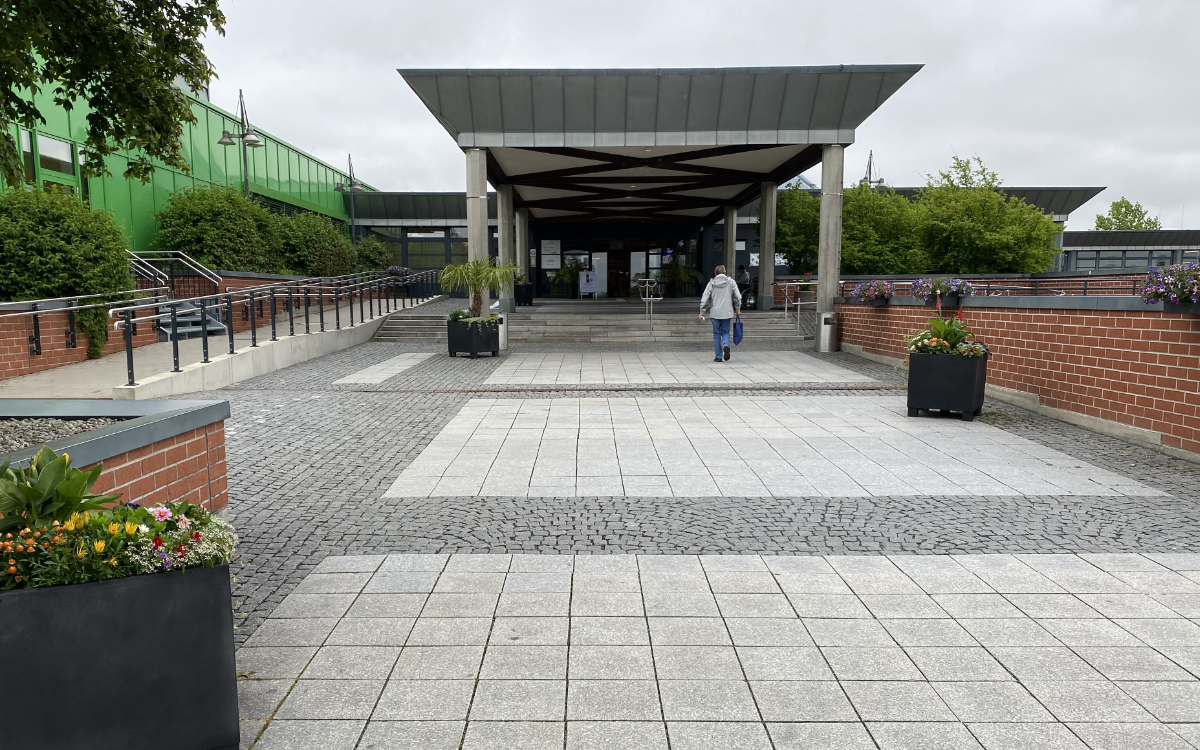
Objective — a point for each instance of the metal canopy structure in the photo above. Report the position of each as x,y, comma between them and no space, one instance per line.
651,145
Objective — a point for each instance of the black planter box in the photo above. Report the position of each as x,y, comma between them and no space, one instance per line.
948,300
1191,308
946,382
878,302
523,293
142,662
464,338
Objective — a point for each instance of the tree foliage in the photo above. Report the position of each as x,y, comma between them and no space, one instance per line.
51,245
961,222
1125,215
373,255
121,59
314,246
221,228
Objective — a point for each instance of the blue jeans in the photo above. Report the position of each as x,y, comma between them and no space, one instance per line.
720,335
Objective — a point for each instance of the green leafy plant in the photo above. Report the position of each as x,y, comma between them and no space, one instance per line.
1125,215
677,273
457,315
51,245
568,274
314,246
225,230
48,490
474,277
372,254
946,336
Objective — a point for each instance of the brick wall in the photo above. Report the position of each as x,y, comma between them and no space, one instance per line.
17,359
189,466
1136,367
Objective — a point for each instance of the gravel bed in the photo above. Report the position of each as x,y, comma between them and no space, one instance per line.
17,434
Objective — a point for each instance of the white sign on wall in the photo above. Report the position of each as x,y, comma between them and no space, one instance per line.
551,262
779,260
551,247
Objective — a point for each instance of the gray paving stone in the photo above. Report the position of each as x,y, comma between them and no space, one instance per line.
787,701
300,632
519,700
688,631
1052,606
352,663
1087,701
525,663
813,583
249,730
331,699
460,605
530,631
605,581
401,562
478,563
1176,560
609,631
993,702
1176,633
957,664
412,735
710,735
258,699
696,663
544,582
783,663
332,583
849,633
884,606
1129,736
438,663
387,605
613,700
294,735
1009,632
1026,737
975,606
1167,701
707,700
616,735
821,736
897,701
371,631
828,605
401,582
1126,606
1076,633
273,663
754,605
921,736
763,631
313,605
424,700
533,604
1044,663
450,631
509,735
1190,732
460,582
611,663
1132,664
606,604
928,633
680,604
741,581
853,663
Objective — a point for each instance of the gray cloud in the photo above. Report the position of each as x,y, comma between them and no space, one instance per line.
1064,93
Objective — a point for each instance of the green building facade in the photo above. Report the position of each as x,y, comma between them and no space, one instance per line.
286,177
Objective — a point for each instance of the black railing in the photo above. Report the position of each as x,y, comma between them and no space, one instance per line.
381,294
40,308
1031,288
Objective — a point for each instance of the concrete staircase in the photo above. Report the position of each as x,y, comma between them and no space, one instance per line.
524,327
412,329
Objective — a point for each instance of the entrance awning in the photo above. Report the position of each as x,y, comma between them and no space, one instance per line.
651,145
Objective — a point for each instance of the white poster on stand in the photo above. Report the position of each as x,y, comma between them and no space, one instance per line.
587,282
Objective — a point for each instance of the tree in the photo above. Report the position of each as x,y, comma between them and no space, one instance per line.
120,58
313,245
221,228
879,233
373,255
1125,215
51,245
797,228
475,276
966,224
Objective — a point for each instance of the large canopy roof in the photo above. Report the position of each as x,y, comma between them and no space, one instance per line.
658,145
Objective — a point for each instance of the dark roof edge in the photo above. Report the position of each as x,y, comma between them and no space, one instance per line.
898,68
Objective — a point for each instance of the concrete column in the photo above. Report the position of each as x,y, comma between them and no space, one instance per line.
504,234
829,243
766,247
477,213
730,241
522,241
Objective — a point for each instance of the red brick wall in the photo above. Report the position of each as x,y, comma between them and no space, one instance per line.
1137,367
190,467
15,356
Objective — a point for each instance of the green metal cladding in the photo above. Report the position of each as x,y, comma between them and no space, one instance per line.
277,170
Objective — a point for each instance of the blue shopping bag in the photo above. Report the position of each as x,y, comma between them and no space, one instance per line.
737,330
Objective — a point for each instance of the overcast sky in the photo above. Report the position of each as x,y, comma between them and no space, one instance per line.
1046,93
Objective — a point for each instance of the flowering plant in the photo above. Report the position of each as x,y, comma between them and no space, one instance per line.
949,336
941,285
55,533
875,289
397,271
1178,285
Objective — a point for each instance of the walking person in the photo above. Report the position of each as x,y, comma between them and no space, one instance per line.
724,301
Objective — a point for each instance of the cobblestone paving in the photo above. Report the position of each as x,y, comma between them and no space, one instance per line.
309,462
741,652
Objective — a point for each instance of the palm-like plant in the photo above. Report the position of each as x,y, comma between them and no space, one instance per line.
475,276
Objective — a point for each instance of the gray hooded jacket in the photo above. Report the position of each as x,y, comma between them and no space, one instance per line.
722,296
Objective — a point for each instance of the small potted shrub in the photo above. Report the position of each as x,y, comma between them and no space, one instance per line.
1177,287
99,604
942,291
472,332
947,369
566,277
523,291
875,293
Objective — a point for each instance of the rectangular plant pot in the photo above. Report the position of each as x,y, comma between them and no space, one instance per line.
1191,308
879,302
523,293
464,338
145,661
948,300
946,382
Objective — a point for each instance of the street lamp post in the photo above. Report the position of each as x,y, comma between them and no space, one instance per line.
352,187
248,138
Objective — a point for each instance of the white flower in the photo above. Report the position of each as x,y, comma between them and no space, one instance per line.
143,528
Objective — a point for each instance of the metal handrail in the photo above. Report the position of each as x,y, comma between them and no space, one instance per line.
36,310
647,288
787,287
985,288
78,297
148,256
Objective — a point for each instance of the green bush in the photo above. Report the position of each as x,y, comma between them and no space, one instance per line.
373,255
221,228
51,245
313,245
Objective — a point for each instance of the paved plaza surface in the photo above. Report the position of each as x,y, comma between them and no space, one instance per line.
968,514
599,368
730,652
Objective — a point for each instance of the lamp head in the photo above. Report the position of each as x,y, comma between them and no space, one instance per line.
226,138
251,139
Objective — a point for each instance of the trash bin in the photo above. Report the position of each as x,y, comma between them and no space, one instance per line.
827,334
